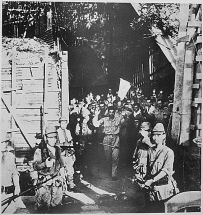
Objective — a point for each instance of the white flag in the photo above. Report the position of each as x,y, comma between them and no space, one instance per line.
123,88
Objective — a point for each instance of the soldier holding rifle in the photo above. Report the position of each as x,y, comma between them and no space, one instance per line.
158,183
48,162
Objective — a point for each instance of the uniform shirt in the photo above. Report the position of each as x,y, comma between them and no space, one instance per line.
8,169
40,166
111,126
64,137
164,161
140,159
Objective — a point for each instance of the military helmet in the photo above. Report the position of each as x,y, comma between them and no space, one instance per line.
158,129
50,131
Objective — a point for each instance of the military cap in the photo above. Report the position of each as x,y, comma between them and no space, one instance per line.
7,146
50,131
158,128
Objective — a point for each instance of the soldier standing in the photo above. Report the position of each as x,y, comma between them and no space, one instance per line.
140,153
65,141
159,182
9,179
111,128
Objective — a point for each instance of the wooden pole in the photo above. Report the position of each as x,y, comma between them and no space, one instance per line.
65,86
178,88
17,121
187,87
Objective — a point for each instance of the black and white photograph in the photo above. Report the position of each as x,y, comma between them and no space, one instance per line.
101,107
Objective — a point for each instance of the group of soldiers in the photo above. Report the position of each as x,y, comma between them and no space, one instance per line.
95,118
52,173
135,124
121,127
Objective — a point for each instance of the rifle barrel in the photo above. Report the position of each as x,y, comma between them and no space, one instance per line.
5,201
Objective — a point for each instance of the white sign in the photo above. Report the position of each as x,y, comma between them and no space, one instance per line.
123,88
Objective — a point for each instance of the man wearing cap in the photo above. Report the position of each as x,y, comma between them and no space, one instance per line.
159,182
111,128
140,153
9,179
65,141
49,165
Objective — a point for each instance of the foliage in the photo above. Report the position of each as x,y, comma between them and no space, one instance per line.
22,11
161,15
23,14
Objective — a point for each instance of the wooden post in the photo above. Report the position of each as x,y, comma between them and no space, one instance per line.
17,121
178,87
187,97
65,86
187,87
13,89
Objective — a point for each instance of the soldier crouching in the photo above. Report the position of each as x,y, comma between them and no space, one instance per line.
49,165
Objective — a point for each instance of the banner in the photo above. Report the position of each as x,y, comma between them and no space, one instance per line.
123,88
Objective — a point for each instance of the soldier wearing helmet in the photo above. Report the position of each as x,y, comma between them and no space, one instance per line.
48,163
159,181
9,179
65,142
140,153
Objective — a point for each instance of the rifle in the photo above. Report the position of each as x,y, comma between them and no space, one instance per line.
8,200
42,145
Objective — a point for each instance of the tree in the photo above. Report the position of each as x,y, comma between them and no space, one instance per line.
22,15
161,15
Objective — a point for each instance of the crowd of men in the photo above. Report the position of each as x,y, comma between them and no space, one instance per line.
128,114
131,131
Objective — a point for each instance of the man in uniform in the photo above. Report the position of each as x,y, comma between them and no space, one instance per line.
9,180
111,128
159,182
49,165
140,153
65,141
